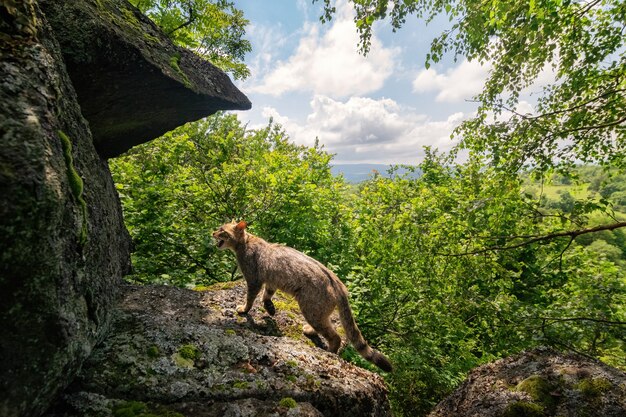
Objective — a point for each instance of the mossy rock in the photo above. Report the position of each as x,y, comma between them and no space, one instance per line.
288,402
594,387
140,409
523,409
539,390
189,352
153,352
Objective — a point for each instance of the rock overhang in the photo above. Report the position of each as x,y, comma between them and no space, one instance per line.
133,84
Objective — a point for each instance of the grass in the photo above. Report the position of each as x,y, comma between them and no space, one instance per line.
554,192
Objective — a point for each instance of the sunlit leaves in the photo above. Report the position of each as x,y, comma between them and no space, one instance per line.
427,292
177,189
214,29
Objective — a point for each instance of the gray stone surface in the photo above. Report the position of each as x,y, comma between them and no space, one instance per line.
61,261
63,244
542,383
190,352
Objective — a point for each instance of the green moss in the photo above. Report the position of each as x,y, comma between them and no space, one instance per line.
230,332
523,409
217,287
594,387
131,19
539,390
153,352
294,332
311,381
286,303
139,409
175,64
76,183
291,378
130,409
288,402
128,20
241,385
189,352
186,356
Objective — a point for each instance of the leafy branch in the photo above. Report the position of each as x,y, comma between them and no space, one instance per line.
189,21
572,234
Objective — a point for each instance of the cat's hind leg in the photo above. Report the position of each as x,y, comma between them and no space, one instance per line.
268,293
327,330
308,330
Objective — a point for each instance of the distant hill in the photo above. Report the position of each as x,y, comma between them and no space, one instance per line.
355,173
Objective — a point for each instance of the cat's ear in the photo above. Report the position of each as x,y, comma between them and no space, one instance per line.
241,225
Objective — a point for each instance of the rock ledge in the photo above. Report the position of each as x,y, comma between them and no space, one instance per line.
188,351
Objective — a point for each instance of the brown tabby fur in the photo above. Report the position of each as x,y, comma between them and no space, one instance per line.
316,289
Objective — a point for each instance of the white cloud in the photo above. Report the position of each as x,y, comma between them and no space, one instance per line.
267,40
328,62
367,130
466,80
456,84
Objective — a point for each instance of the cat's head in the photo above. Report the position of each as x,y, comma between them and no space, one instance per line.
229,234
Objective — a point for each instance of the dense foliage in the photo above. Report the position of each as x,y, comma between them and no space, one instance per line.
214,29
427,287
421,252
454,264
179,188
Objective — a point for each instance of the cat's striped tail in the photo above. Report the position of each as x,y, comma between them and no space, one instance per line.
355,337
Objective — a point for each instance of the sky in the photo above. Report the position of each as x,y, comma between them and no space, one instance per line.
380,108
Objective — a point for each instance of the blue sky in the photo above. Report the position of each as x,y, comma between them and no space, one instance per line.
383,108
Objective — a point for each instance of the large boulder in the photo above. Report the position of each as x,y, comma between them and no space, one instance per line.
133,84
181,351
539,383
63,245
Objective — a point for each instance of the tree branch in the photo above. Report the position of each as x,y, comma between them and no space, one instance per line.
572,234
189,21
620,323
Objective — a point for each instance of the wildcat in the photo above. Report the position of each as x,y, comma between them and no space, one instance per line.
316,289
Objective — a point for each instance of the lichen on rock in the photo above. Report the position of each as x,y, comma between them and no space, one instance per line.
210,362
542,383
56,287
64,247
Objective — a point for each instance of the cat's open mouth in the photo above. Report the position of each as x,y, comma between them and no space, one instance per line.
220,243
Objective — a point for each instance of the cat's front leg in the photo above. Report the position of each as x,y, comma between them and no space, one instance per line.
254,287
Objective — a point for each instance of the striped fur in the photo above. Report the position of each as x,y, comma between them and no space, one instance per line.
317,290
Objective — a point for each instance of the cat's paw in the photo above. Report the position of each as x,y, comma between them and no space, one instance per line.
309,331
269,307
242,310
